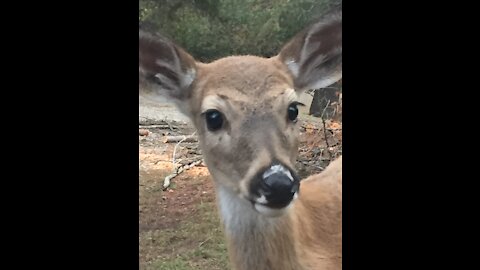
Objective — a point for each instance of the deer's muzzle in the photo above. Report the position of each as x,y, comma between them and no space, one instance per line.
274,187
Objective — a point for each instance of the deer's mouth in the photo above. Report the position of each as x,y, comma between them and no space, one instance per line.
269,210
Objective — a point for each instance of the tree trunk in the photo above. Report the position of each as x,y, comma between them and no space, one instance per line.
327,101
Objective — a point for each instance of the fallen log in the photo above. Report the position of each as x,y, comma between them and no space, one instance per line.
156,126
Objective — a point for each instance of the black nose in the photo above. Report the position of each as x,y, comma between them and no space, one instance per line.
279,189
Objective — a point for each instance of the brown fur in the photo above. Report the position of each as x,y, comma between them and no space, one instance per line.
318,219
307,237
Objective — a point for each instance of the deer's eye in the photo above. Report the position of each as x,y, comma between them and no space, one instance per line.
214,120
293,112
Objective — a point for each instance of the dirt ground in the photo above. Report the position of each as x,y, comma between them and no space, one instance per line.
179,227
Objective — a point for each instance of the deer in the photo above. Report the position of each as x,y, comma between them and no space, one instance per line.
245,111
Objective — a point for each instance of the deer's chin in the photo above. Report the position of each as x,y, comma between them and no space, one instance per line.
269,211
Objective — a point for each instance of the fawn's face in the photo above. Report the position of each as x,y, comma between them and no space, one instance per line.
245,107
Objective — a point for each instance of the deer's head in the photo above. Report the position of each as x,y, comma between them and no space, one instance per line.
245,107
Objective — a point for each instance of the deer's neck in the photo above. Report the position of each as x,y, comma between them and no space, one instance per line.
256,241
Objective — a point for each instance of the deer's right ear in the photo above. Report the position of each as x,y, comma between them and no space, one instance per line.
164,68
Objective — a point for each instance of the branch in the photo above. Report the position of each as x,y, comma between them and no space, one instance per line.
156,126
175,148
172,139
166,181
325,130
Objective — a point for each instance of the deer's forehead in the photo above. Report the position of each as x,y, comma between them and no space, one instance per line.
228,101
245,75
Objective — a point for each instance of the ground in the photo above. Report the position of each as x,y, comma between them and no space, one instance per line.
179,226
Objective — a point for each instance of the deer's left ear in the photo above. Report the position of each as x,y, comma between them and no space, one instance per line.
314,56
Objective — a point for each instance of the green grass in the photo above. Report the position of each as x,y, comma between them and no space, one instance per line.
197,244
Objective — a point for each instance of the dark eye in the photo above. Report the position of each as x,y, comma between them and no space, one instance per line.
214,120
293,112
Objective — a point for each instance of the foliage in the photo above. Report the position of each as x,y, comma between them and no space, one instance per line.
210,29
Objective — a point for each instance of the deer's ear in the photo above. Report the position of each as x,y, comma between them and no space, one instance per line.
164,68
314,56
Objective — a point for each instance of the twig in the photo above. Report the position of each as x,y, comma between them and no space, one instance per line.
325,130
166,181
316,166
324,109
304,126
172,139
312,165
150,122
169,125
175,148
204,242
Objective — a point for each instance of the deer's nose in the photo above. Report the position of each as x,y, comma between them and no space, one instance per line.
279,186
278,190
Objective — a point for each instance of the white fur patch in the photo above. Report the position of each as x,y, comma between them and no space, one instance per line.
268,211
293,67
262,199
277,169
188,78
236,212
290,95
272,212
212,102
